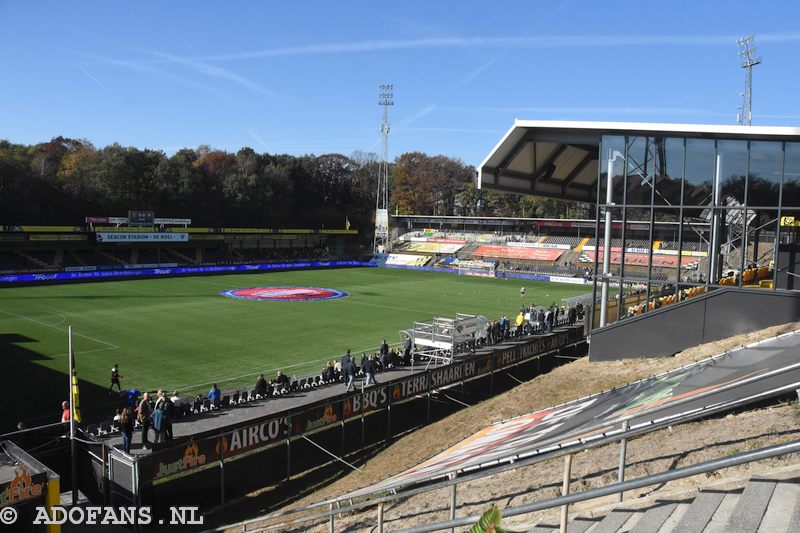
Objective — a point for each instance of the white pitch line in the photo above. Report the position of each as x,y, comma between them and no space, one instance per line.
58,328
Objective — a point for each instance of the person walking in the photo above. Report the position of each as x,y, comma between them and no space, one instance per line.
115,377
368,367
350,373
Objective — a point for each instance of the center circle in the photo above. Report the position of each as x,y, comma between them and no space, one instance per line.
284,294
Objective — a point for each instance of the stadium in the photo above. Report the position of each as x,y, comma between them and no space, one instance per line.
595,329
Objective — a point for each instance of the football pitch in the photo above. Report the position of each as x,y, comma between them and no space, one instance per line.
181,334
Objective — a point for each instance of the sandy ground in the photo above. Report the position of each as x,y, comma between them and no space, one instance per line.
683,445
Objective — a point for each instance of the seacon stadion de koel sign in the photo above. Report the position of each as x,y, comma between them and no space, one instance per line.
284,294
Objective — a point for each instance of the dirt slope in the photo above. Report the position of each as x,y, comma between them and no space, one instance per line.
686,444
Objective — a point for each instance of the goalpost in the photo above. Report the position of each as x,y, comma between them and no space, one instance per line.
484,269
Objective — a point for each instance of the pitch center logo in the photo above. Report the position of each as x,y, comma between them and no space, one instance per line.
284,294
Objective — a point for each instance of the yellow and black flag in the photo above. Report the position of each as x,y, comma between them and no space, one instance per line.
76,404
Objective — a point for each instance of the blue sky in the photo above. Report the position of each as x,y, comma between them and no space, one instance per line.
302,77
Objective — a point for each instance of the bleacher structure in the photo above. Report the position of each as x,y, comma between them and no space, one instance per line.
442,339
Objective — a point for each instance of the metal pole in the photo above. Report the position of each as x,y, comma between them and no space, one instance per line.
623,450
380,517
331,526
564,491
453,496
74,480
221,444
715,229
606,243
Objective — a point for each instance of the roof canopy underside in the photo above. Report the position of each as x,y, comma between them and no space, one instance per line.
559,159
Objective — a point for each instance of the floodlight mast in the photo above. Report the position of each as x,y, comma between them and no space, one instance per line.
747,52
381,241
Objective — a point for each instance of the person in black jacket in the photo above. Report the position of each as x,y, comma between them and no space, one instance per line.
368,367
261,386
350,373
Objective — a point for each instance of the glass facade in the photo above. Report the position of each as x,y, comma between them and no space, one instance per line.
691,215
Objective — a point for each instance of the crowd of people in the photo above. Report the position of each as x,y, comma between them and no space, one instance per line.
531,320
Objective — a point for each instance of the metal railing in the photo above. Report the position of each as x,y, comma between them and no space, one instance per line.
618,488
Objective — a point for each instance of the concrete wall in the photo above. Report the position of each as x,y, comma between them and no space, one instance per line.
717,315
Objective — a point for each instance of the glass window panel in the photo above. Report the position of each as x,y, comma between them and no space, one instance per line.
640,170
764,173
700,167
760,245
668,168
732,169
612,151
730,244
791,176
694,247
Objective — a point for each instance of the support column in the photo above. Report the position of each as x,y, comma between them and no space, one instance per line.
565,491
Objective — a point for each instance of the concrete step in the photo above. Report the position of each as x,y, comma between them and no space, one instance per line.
718,522
613,522
782,507
699,513
750,508
653,518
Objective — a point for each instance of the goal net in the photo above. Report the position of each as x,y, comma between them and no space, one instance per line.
477,268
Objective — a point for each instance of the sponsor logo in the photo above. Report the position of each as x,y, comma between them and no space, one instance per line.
191,459
284,294
21,488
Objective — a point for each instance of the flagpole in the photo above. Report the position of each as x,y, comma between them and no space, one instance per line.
74,481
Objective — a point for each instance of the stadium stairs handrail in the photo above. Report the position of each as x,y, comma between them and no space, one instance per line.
578,445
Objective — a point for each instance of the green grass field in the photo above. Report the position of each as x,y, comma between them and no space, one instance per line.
179,333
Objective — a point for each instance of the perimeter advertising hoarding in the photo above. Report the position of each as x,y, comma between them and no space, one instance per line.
147,272
545,430
141,237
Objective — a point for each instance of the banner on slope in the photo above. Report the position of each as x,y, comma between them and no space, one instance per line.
532,254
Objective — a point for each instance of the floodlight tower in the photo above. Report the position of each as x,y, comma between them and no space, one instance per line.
747,52
381,241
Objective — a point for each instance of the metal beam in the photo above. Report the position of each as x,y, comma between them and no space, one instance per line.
538,172
588,158
521,144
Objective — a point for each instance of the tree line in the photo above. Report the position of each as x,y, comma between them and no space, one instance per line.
64,180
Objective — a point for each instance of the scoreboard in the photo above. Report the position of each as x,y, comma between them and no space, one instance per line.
141,218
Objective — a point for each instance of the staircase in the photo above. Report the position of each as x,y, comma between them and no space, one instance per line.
763,505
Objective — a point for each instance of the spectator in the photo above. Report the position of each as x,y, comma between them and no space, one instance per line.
363,360
572,315
384,353
329,373
281,382
540,320
176,400
65,411
145,412
214,394
132,398
126,428
407,350
165,405
368,367
350,373
337,367
261,386
159,417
